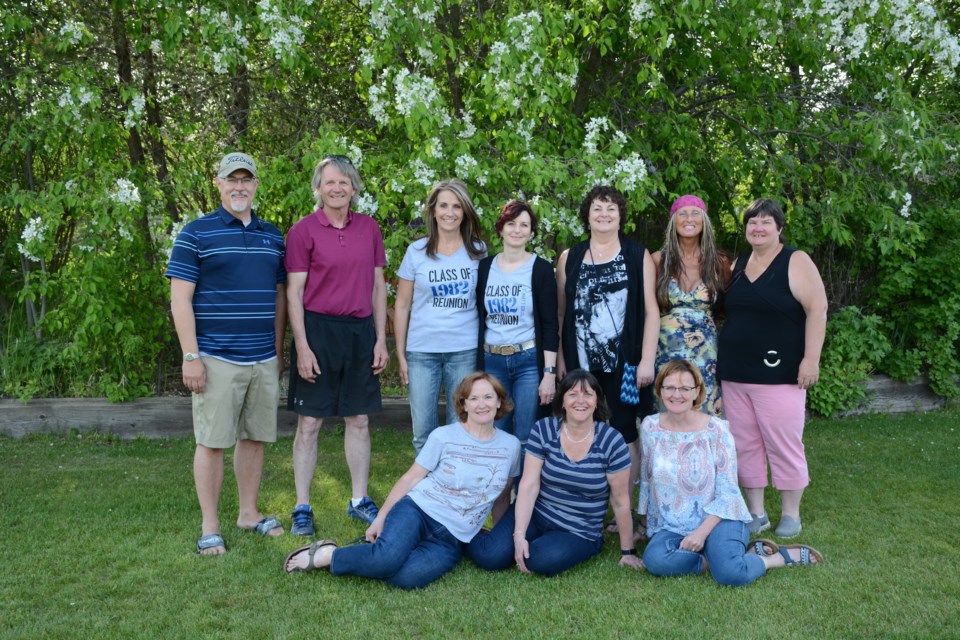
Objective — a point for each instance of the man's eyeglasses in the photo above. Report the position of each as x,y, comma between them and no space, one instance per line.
246,182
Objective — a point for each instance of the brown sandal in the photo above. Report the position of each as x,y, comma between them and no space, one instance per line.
311,550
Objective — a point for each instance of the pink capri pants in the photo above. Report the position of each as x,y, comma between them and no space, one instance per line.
766,421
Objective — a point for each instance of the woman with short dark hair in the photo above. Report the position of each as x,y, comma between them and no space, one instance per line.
608,311
519,334
575,464
769,355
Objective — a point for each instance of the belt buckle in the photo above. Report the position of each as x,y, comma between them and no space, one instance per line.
509,350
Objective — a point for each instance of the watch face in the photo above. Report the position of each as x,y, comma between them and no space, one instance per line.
190,357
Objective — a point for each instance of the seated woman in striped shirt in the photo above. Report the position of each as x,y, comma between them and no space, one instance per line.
575,463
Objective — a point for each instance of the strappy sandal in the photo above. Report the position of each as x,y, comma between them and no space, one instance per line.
807,555
760,545
311,550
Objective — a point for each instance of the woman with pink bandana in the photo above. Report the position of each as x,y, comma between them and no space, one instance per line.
691,277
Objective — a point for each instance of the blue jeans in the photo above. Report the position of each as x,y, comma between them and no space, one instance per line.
521,379
725,551
413,550
552,550
427,371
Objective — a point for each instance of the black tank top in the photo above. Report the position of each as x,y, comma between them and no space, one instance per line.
762,341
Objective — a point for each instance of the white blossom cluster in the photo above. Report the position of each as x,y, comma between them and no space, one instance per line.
33,234
640,10
71,104
523,27
554,219
629,172
427,15
72,32
125,192
907,201
353,151
227,26
125,233
468,127
156,47
911,23
135,111
428,56
286,31
594,128
381,16
366,203
434,147
412,89
422,174
465,166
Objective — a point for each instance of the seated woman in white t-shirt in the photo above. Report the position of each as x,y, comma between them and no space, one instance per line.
464,471
435,317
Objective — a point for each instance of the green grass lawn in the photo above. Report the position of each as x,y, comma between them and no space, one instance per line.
98,538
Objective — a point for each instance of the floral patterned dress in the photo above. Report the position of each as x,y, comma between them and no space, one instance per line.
687,331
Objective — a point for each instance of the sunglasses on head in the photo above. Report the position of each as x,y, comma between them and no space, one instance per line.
338,157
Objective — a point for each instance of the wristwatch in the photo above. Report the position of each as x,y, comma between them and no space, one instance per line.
549,369
190,357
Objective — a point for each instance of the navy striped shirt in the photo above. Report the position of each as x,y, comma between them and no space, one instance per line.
574,495
236,270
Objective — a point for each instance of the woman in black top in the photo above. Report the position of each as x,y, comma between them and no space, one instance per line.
769,355
518,333
608,311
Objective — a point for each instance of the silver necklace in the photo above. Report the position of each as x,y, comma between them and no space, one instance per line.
570,438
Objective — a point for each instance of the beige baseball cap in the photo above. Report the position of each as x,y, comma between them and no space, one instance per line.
234,162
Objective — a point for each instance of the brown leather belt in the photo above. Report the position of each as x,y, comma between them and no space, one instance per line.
509,349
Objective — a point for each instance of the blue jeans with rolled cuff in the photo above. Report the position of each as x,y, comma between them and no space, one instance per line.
725,551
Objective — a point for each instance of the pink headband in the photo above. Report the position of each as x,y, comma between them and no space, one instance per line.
687,201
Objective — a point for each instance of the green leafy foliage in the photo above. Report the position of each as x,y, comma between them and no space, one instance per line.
844,112
855,346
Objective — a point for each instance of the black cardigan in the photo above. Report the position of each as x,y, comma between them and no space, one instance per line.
545,323
632,336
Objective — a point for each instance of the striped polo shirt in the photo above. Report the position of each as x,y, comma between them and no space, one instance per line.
236,270
574,495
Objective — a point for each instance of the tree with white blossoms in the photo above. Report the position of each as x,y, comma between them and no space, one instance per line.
845,111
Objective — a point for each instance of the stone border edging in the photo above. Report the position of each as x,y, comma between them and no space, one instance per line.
170,417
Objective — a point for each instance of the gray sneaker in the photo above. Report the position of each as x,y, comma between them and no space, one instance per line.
759,524
788,527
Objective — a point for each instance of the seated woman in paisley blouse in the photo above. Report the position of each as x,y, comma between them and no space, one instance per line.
696,517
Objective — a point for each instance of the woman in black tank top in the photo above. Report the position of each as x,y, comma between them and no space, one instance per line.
768,356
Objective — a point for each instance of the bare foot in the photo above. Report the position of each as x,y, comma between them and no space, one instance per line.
211,544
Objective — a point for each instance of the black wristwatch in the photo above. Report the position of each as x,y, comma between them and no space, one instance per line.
549,369
628,552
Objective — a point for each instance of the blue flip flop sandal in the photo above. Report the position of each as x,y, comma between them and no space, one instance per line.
266,525
209,542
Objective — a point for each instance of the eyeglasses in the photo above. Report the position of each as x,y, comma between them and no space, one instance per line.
242,181
683,390
339,158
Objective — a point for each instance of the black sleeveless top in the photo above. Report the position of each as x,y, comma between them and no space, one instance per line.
763,339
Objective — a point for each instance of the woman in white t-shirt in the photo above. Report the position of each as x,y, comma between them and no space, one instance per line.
464,472
435,314
519,333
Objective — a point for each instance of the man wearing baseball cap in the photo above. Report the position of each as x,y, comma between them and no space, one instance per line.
228,300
